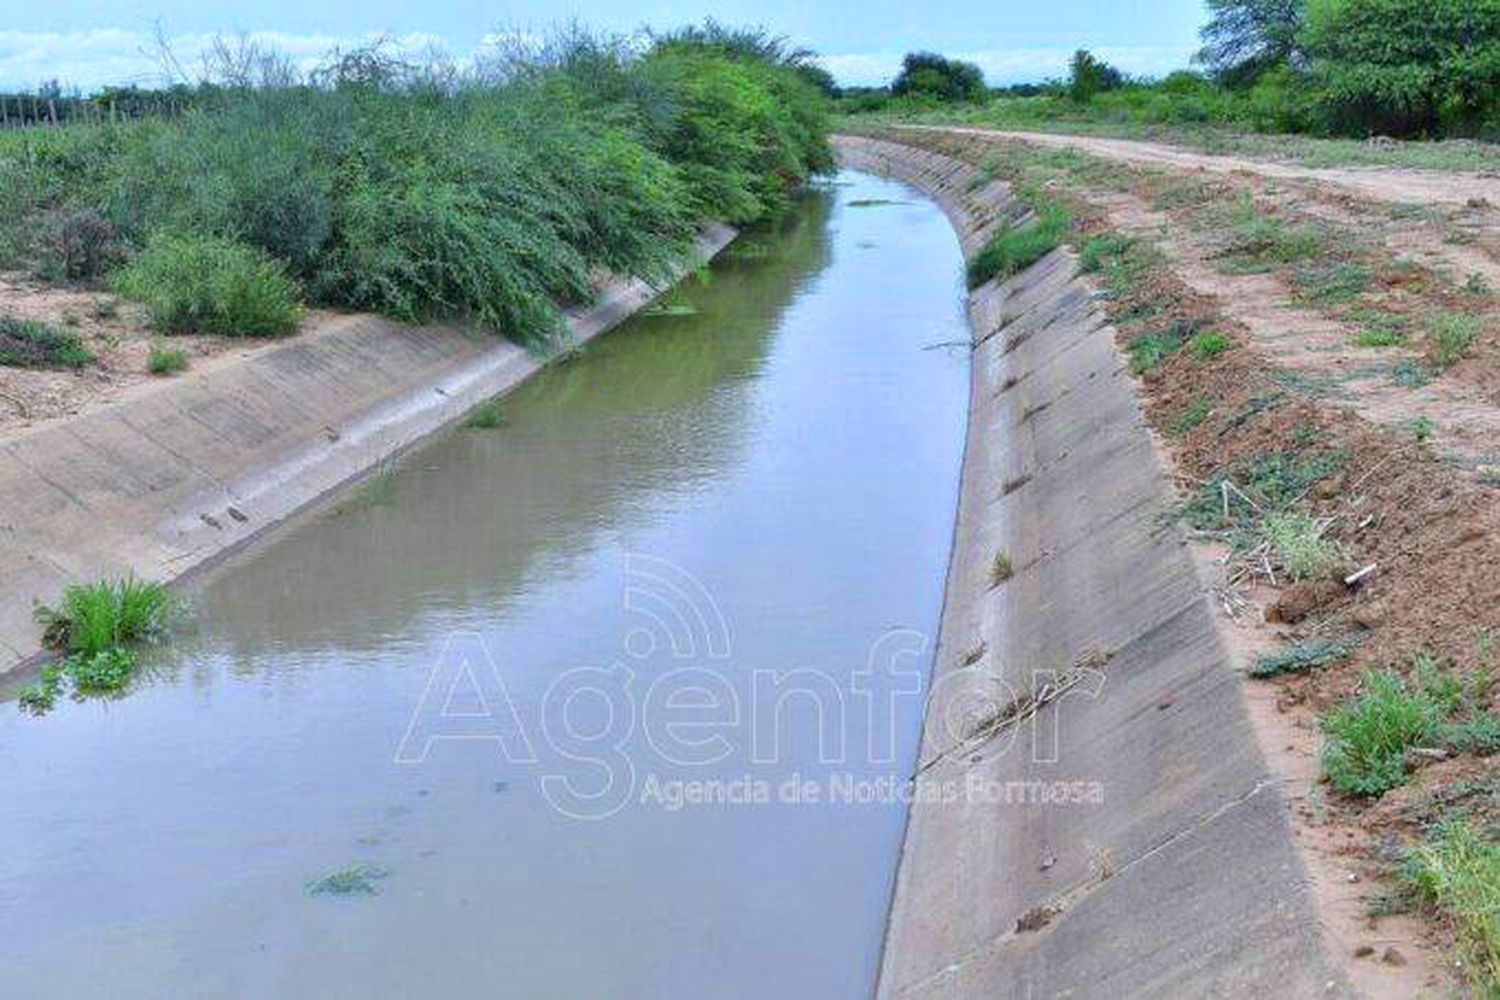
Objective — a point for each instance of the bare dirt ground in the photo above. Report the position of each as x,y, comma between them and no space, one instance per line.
1389,184
113,331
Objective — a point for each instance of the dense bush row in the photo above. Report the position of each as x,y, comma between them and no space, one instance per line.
493,197
1412,68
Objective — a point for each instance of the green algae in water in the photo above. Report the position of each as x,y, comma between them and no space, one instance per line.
355,880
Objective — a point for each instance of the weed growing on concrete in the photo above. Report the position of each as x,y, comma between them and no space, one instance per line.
1000,569
1017,247
487,416
166,360
97,617
29,344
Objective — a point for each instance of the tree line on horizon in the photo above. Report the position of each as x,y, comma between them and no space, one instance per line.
1410,68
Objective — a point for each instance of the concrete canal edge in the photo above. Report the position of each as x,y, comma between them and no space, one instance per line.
165,483
1091,814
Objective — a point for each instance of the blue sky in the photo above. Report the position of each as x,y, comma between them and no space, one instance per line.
91,42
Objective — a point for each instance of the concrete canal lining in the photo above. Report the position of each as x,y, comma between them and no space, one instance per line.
1091,817
164,483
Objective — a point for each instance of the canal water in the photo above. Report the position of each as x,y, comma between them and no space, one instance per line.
616,699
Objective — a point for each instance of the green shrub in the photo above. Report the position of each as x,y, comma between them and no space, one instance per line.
1458,871
1299,546
1191,415
1016,248
77,244
104,672
97,617
29,344
1452,335
166,360
1368,737
1379,337
487,416
205,284
1209,345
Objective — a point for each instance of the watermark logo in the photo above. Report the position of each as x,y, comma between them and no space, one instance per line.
661,724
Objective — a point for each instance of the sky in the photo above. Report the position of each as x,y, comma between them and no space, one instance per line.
89,43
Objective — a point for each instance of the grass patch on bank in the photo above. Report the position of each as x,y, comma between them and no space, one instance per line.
98,626
1451,334
1017,247
164,360
1370,736
487,416
205,284
1457,872
29,344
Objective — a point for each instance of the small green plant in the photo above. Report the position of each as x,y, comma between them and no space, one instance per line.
1369,736
1383,336
1422,428
1328,283
1260,242
1477,285
356,880
1191,415
1452,334
1300,657
104,672
1000,569
487,416
1097,250
1209,344
1410,373
28,344
206,284
1457,871
166,360
1149,350
1299,545
97,617
1016,248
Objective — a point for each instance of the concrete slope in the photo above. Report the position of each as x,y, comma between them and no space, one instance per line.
162,483
1092,816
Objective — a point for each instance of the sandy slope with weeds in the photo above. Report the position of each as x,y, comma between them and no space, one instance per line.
1392,184
112,330
1333,532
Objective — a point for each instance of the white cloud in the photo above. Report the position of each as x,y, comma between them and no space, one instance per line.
91,59
1005,66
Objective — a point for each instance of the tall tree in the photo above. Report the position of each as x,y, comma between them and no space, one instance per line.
938,76
1404,67
1245,38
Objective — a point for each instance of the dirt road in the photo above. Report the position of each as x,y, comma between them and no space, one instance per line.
1390,184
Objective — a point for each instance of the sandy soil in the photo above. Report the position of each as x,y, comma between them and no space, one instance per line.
115,332
1390,184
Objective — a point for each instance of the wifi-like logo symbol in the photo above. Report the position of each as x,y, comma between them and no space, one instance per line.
675,611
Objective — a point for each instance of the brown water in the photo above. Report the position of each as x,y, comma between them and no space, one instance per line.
707,550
